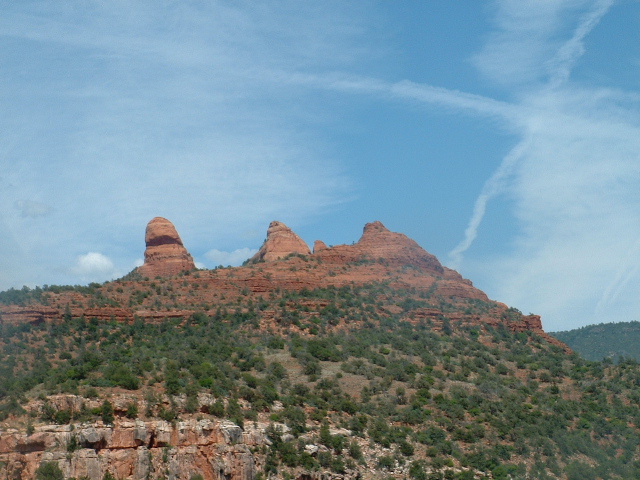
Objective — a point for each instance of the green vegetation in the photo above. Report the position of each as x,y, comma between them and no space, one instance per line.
446,399
49,471
613,341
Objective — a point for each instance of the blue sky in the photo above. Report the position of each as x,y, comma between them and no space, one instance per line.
503,136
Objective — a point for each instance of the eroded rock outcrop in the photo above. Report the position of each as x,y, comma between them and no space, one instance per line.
133,449
378,256
378,244
280,242
165,254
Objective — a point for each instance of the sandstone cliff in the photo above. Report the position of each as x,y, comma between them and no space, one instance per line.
133,449
165,254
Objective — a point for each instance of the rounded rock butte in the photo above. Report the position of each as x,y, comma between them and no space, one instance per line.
280,242
165,254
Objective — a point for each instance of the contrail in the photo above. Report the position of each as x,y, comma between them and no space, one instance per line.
561,64
573,49
404,90
490,189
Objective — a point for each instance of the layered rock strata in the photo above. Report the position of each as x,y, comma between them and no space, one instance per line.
165,254
133,449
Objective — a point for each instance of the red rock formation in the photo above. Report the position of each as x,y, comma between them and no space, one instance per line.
397,248
280,242
318,246
381,245
165,254
134,449
14,314
379,256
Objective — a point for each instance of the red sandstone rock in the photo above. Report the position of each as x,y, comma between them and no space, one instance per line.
378,244
397,248
165,254
280,242
192,447
14,314
379,255
318,246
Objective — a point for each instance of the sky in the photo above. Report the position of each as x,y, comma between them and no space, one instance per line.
503,136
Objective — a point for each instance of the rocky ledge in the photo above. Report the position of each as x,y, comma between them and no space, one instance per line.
133,449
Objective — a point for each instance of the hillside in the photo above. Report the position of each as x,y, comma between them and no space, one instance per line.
604,341
360,361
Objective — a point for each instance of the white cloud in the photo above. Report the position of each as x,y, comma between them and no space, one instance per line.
233,258
94,266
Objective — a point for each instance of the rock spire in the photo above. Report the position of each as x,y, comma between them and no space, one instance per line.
165,254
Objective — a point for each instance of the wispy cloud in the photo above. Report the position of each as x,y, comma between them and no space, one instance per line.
529,45
512,19
407,91
563,62
135,112
573,180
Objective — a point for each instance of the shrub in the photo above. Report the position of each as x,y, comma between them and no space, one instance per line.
217,408
132,410
354,450
416,470
386,462
406,448
49,471
107,413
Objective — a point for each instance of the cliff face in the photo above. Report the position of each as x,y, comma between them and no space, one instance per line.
165,254
131,449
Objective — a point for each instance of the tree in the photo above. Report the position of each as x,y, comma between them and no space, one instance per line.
49,471
107,413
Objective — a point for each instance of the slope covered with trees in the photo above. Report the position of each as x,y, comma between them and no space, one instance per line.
604,341
410,398
358,361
